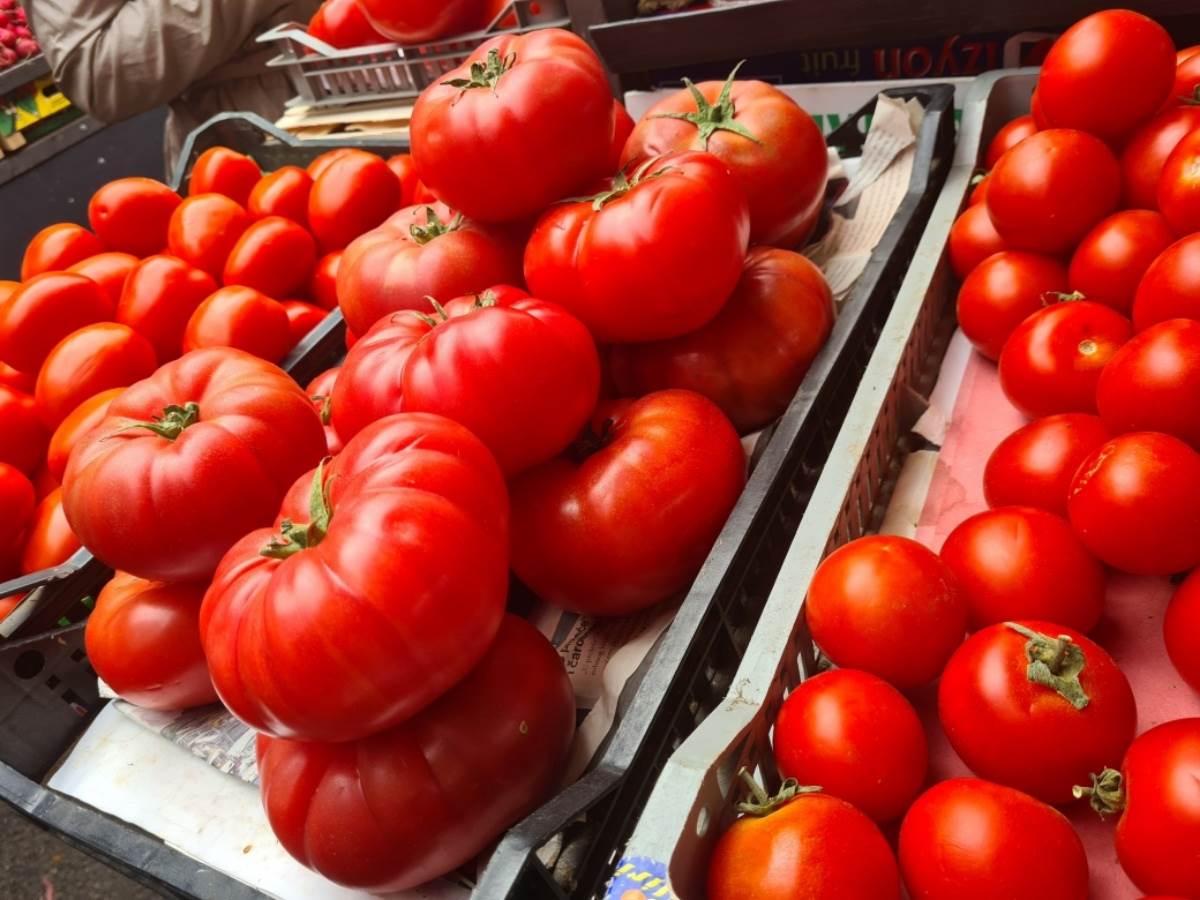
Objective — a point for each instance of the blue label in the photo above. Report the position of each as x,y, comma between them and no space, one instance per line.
639,878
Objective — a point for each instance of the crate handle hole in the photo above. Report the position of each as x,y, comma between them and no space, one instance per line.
703,820
29,664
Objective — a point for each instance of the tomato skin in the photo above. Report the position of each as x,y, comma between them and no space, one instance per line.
410,814
542,133
320,392
50,542
970,838
417,21
284,193
17,501
405,169
1009,135
889,606
1146,152
342,24
1135,504
77,425
1035,464
45,310
1047,192
1187,79
655,262
93,359
302,318
1170,289
858,737
1181,627
23,437
1001,292
623,125
57,247
159,298
1179,186
973,239
322,286
242,318
132,214
1110,261
22,382
1052,361
671,463
220,170
320,163
979,192
274,256
109,270
372,376
354,193
204,230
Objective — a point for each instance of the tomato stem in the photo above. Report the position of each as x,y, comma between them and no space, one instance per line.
591,441
710,118
173,421
1055,663
621,185
297,536
434,227
1106,794
763,804
1060,297
485,74
326,407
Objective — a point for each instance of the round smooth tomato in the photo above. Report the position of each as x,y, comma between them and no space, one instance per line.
15,379
1181,630
220,170
628,517
1009,135
420,21
623,125
109,270
751,358
1110,261
856,736
342,24
1001,292
654,256
75,427
1187,79
322,285
1170,289
406,170
1152,382
973,239
1035,110
51,542
188,461
17,501
45,310
1146,152
889,606
1048,191
132,214
1107,73
302,318
1052,361
58,247
274,256
320,163
242,318
1135,504
159,298
93,359
23,437
205,229
282,193
979,191
1179,185
970,838
525,121
394,810
320,392
354,193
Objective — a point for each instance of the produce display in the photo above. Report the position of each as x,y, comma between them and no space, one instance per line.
17,42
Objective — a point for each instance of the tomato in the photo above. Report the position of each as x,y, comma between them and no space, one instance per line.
405,169
1107,73
423,194
396,809
773,148
420,21
1146,152
971,838
979,192
159,298
188,461
274,255
1170,289
623,125
1157,793
526,120
44,483
1181,631
51,541
1135,503
421,252
856,736
652,257
242,318
802,845
322,285
1110,261
1152,382
1009,135
302,318
23,437
1051,189
57,247
1187,80
973,239
45,310
76,426
320,392
108,270
220,170
1035,110
1001,292
205,229
93,359
1052,361
342,24
317,167
17,501
1179,185
751,358
627,519
282,193
132,214
15,379
354,193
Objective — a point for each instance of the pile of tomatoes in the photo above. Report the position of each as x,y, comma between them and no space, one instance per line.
358,23
1079,256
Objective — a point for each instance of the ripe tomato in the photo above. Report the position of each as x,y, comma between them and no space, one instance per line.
1107,73
652,257
274,256
44,483
243,318
342,24
1048,191
414,506
93,359
354,193
406,170
622,127
1181,630
220,170
802,845
50,542
159,299
75,427
1110,261
973,239
1146,152
751,358
1035,110
971,838
1009,135
302,318
45,310
204,229
628,519
143,639
1170,289
1152,382
282,193
320,392
320,163
57,247
526,120
392,811
1187,78
132,214
17,501
771,145
979,192
322,286
188,461
1001,292
23,437
17,380
1135,503
856,736
1179,185
1052,361
109,270
889,606
420,21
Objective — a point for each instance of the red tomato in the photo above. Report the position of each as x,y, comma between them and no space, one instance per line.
302,318
354,193
23,437
17,501
109,270
420,21
1052,362
423,194
17,380
242,318
399,808
204,229
628,519
858,737
57,247
1179,185
317,167
282,193
973,239
44,483
44,311
93,359
320,392
1144,155
132,214
1048,191
405,169
143,639
188,461
622,127
274,255
1009,135
1181,630
1001,292
652,257
771,145
414,506
979,192
1187,79
75,427
220,170
322,286
159,299
1110,261
1152,382
970,838
526,120
342,24
751,358
1170,289
1107,73
1135,503
51,542
1035,110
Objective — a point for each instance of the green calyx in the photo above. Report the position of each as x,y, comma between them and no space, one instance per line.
297,536
710,118
485,74
433,227
173,422
326,407
1050,298
485,300
439,313
622,184
1055,663
763,804
1106,793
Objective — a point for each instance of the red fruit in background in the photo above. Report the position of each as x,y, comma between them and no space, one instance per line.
1181,630
1170,289
17,380
323,161
109,270
354,193
284,193
159,299
1146,152
322,286
1001,292
973,239
320,391
1187,79
1109,262
17,501
302,318
132,214
23,437
406,170
51,542
45,310
44,483
75,427
1009,135
242,318
204,229
224,171
1179,185
979,192
623,125
93,359
58,247
274,256
342,24
419,21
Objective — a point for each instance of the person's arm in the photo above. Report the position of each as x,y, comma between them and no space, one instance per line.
117,58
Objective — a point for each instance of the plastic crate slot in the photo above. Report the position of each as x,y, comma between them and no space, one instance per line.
29,664
53,681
